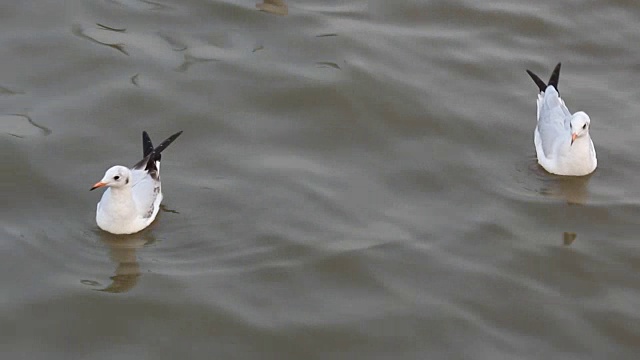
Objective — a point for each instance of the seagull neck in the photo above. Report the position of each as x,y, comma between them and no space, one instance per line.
581,145
121,194
581,156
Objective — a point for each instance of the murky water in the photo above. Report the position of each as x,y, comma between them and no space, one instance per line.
356,180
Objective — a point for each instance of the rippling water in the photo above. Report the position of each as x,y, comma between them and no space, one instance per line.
356,179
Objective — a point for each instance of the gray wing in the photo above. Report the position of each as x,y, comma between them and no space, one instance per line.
145,191
553,121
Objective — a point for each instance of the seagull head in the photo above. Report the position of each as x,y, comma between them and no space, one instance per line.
116,177
580,122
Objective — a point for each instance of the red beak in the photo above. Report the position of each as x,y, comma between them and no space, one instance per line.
97,185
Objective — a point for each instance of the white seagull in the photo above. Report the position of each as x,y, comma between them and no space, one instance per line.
133,197
562,140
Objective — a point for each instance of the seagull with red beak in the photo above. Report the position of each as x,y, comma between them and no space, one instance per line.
562,140
133,196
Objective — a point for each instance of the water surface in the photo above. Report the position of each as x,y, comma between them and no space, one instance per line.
356,180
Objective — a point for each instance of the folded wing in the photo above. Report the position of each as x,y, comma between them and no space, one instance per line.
553,121
145,192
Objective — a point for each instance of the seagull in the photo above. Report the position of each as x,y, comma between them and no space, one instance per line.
562,140
133,196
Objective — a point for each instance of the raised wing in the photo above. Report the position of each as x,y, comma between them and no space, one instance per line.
151,160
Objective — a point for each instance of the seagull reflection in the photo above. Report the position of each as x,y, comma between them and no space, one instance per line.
122,251
568,238
572,189
278,7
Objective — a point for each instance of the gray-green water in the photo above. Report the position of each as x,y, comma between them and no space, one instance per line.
356,180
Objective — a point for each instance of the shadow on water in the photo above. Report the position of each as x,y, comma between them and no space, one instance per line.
123,252
572,189
568,237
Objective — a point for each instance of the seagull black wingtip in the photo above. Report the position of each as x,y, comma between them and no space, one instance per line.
151,155
555,77
536,79
147,145
553,80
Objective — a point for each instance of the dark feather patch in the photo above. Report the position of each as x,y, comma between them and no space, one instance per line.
152,156
555,77
166,143
541,85
553,80
147,145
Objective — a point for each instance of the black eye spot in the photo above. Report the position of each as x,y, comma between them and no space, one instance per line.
584,126
117,177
